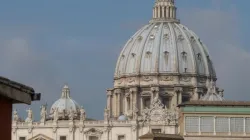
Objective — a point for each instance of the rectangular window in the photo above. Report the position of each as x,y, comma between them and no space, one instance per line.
63,138
147,103
128,103
166,102
156,130
207,124
222,124
192,124
185,98
122,137
22,138
236,125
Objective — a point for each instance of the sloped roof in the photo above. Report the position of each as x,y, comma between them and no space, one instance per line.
15,91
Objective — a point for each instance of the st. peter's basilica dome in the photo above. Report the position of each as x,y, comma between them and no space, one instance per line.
163,59
161,48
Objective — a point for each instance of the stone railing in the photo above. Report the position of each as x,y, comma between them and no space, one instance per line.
93,122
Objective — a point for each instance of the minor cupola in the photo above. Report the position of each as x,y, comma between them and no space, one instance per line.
164,10
65,105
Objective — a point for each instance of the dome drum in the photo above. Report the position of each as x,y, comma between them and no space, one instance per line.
126,100
162,80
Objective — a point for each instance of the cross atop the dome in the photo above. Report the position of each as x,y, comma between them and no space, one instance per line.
165,10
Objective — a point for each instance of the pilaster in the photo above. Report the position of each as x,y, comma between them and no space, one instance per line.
196,93
155,91
178,92
109,94
71,129
133,99
134,128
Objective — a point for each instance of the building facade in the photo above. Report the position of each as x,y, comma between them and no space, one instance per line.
163,65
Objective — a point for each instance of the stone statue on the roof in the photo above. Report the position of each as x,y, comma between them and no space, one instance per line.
15,116
55,114
71,114
43,113
82,114
30,116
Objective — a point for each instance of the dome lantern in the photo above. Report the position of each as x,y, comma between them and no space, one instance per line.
65,92
164,10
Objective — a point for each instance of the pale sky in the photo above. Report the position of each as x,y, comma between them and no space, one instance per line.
45,44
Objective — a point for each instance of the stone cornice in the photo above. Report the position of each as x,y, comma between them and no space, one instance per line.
164,74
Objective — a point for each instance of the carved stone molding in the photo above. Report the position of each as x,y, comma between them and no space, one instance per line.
155,89
185,79
119,81
198,90
127,94
146,93
134,127
180,37
71,128
30,129
131,79
133,90
81,127
93,132
166,78
157,113
147,78
202,80
109,92
118,91
178,89
14,129
54,129
41,137
106,129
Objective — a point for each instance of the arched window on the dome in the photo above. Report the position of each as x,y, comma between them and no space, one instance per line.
184,56
199,56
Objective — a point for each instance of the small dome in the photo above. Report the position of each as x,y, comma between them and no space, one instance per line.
122,118
65,104
212,94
